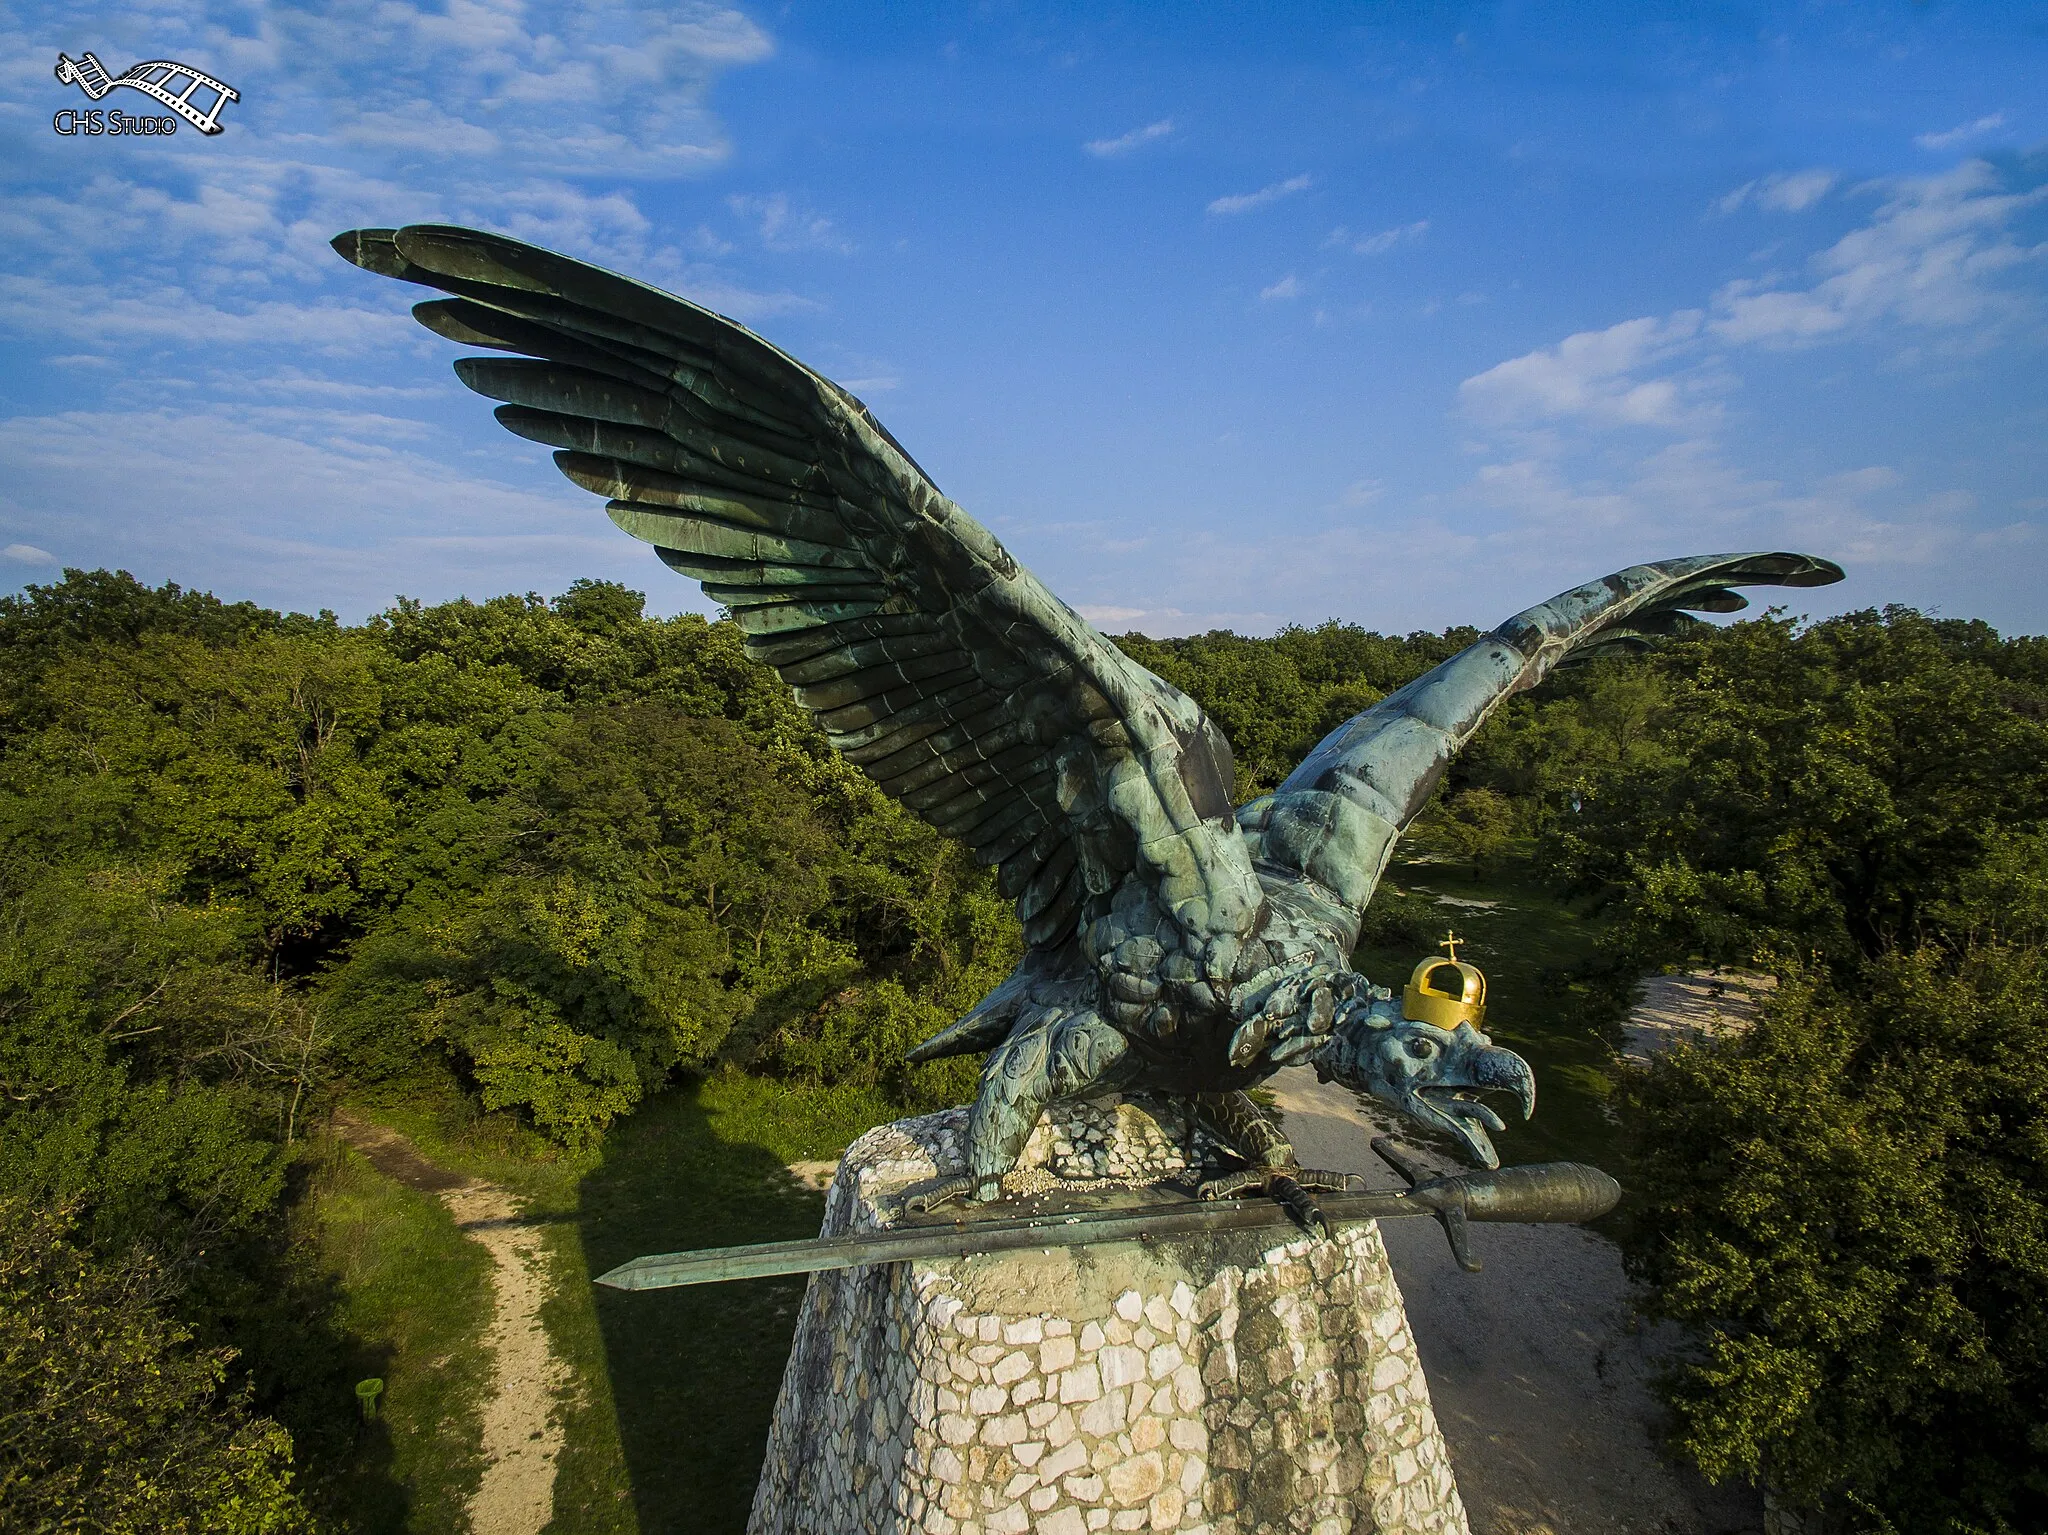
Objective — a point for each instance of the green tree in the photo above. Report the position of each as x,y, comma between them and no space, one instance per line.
1817,791
111,1419
1848,1206
1477,824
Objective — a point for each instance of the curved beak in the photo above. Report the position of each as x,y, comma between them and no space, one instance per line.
1500,1070
1449,1101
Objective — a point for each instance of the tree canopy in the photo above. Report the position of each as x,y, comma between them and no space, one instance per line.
551,853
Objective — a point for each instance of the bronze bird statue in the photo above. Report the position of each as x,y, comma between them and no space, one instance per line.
1177,943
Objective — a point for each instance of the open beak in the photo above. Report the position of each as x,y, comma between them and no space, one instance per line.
1453,1105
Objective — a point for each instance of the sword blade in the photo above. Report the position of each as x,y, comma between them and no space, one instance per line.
1546,1192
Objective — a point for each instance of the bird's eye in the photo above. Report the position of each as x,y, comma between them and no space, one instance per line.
1422,1049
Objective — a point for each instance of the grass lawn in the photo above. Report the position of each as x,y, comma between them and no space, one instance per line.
418,1292
674,1388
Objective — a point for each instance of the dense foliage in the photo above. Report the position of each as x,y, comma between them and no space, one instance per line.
548,854
1848,1204
1832,792
109,1421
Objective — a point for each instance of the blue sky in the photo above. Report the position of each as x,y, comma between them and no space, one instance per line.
1408,315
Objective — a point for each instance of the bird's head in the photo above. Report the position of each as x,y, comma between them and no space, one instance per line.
1431,1075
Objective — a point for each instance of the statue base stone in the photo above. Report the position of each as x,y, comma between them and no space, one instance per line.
1217,1385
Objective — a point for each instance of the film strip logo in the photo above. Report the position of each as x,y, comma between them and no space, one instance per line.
173,84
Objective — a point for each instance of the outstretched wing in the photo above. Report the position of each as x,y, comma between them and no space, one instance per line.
930,657
1327,832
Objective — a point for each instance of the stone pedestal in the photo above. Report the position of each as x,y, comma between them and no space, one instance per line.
1228,1384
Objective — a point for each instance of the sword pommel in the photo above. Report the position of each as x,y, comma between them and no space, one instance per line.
1541,1191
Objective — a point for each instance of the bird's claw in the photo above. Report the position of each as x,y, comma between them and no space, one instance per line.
968,1188
1290,1189
939,1193
1228,1185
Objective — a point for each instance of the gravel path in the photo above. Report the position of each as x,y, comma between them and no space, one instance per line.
522,1432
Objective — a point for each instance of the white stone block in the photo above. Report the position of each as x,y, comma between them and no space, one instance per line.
1121,1364
1136,1479
1070,1456
1103,1417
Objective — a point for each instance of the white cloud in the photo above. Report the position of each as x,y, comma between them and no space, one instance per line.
28,554
783,227
1949,138
1108,149
1287,287
1244,202
615,86
1375,244
1104,615
1557,484
1591,375
1929,257
1784,192
39,307
1686,497
305,507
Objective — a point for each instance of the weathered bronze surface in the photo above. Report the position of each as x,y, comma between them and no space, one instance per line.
1546,1191
1177,942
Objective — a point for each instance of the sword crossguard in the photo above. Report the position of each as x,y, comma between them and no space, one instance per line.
1440,1194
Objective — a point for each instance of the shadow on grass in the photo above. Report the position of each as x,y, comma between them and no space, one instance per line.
693,1371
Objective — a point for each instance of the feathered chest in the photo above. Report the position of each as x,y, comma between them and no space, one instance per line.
1170,998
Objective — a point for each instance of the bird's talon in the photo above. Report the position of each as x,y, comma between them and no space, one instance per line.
939,1194
1328,1182
1228,1185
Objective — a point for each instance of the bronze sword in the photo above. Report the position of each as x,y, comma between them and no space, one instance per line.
1543,1191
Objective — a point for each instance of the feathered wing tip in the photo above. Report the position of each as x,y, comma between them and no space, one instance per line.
1635,607
1332,825
1047,980
983,1029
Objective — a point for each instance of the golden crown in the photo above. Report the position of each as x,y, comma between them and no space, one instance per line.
1445,990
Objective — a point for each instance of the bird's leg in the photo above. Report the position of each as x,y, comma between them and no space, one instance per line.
1271,1167
1016,1085
1051,1056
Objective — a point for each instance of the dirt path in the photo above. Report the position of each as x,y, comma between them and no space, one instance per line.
522,1433
1690,1007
